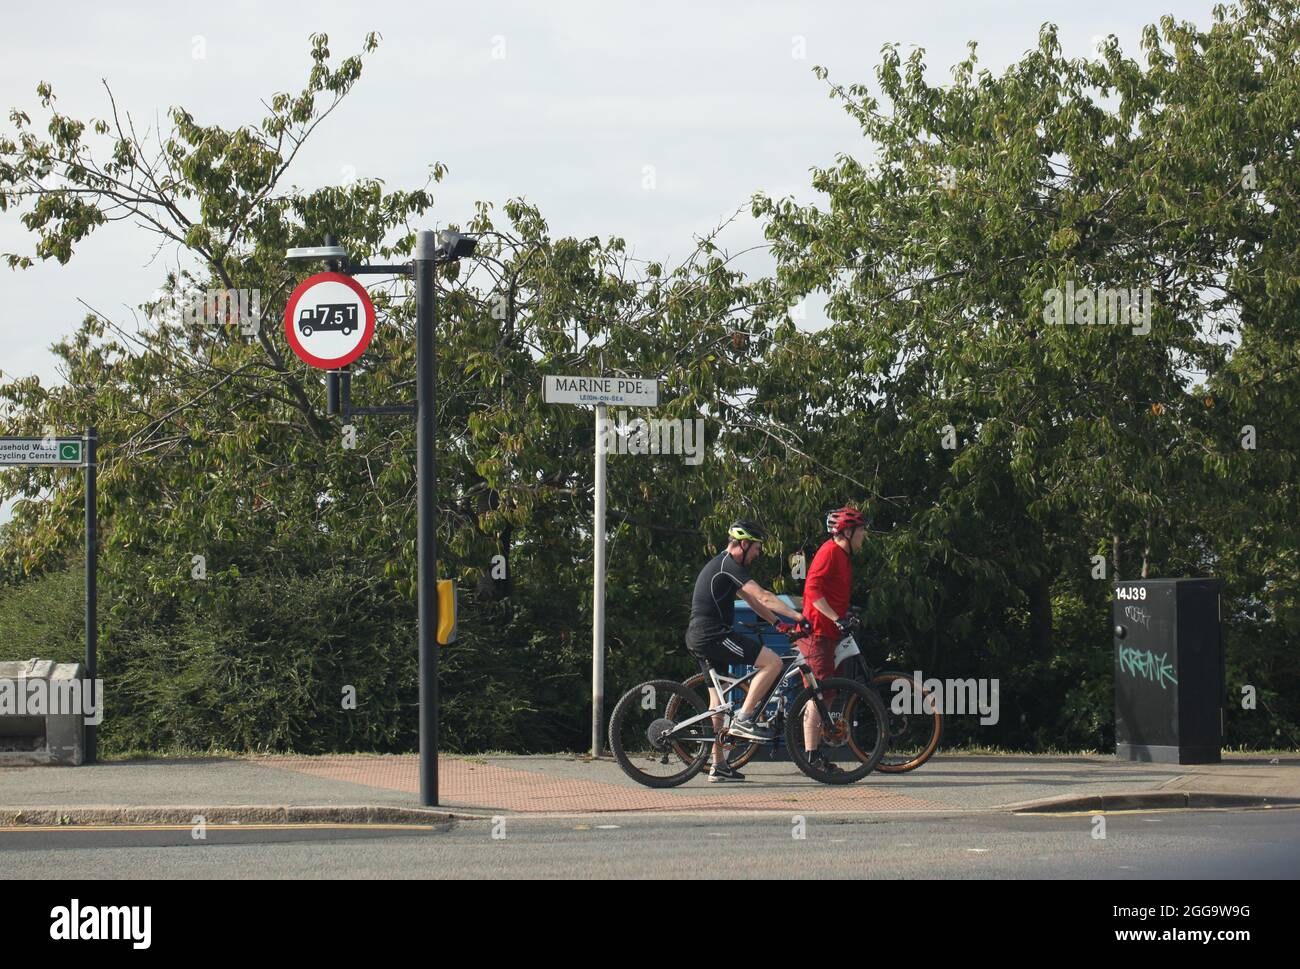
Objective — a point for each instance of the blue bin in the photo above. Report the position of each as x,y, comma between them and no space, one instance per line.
770,638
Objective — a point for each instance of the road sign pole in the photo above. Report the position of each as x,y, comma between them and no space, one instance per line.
427,484
598,592
585,391
342,311
92,591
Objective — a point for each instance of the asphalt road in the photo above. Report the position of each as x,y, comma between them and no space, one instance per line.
1137,845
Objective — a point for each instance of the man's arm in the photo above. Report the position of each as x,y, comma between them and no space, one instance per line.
824,607
765,604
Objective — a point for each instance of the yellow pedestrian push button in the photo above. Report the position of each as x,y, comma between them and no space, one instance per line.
446,611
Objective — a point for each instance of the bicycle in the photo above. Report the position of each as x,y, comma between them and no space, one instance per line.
662,734
913,737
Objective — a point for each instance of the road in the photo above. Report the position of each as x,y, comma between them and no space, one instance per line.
1137,845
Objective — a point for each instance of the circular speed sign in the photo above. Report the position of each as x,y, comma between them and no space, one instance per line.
329,320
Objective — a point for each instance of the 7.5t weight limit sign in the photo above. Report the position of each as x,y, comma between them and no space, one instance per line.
329,320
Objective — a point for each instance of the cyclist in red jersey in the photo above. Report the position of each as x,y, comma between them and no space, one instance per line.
825,604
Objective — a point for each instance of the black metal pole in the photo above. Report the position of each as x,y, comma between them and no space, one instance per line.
92,592
427,482
332,405
332,376
331,240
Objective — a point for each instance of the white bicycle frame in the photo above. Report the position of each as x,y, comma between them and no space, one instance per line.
848,646
722,685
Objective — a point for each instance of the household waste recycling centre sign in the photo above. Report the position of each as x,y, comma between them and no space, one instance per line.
20,451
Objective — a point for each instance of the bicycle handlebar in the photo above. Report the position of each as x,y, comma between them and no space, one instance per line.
793,636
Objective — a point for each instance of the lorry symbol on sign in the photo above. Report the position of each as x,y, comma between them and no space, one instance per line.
328,316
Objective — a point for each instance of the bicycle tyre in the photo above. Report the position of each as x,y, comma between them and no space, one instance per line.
901,765
862,701
629,703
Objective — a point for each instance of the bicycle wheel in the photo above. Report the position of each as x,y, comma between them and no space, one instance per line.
913,736
735,751
648,743
858,721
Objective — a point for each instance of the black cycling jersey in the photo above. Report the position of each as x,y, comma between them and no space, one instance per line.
713,605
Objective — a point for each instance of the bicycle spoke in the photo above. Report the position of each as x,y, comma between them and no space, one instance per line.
850,732
657,735
913,733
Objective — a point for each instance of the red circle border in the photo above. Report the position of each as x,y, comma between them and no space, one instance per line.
290,334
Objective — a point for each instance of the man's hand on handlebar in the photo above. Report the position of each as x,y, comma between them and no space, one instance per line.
849,624
794,630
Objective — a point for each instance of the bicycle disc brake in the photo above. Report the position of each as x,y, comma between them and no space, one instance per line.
839,735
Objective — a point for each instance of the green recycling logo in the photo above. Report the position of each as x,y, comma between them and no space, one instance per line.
70,452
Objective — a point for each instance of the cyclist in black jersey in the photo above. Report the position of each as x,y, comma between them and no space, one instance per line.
711,638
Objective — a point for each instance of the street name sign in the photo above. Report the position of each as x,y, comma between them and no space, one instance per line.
620,391
36,451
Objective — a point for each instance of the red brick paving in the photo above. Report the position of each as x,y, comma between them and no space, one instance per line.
476,785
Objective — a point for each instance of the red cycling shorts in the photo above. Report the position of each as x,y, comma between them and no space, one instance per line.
820,653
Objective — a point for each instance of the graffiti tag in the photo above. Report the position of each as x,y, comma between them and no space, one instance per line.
1138,614
1141,663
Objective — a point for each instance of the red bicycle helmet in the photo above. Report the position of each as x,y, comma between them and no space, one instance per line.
842,519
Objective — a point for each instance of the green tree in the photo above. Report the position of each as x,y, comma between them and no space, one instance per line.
227,495
1001,452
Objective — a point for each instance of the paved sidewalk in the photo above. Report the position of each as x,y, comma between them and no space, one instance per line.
375,787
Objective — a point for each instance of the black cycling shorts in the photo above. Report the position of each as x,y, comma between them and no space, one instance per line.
732,649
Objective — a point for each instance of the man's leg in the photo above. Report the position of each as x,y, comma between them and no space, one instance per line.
718,723
769,668
812,728
820,654
710,659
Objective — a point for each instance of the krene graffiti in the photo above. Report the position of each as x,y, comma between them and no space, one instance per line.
1145,663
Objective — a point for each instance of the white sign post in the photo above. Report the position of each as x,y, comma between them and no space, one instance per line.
600,391
598,592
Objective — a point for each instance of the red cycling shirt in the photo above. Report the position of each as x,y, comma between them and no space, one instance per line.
829,577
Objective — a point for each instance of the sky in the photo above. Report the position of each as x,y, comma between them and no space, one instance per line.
653,122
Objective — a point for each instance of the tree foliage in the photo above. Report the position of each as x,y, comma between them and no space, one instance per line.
935,257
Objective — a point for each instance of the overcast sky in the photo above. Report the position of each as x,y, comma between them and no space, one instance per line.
564,103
